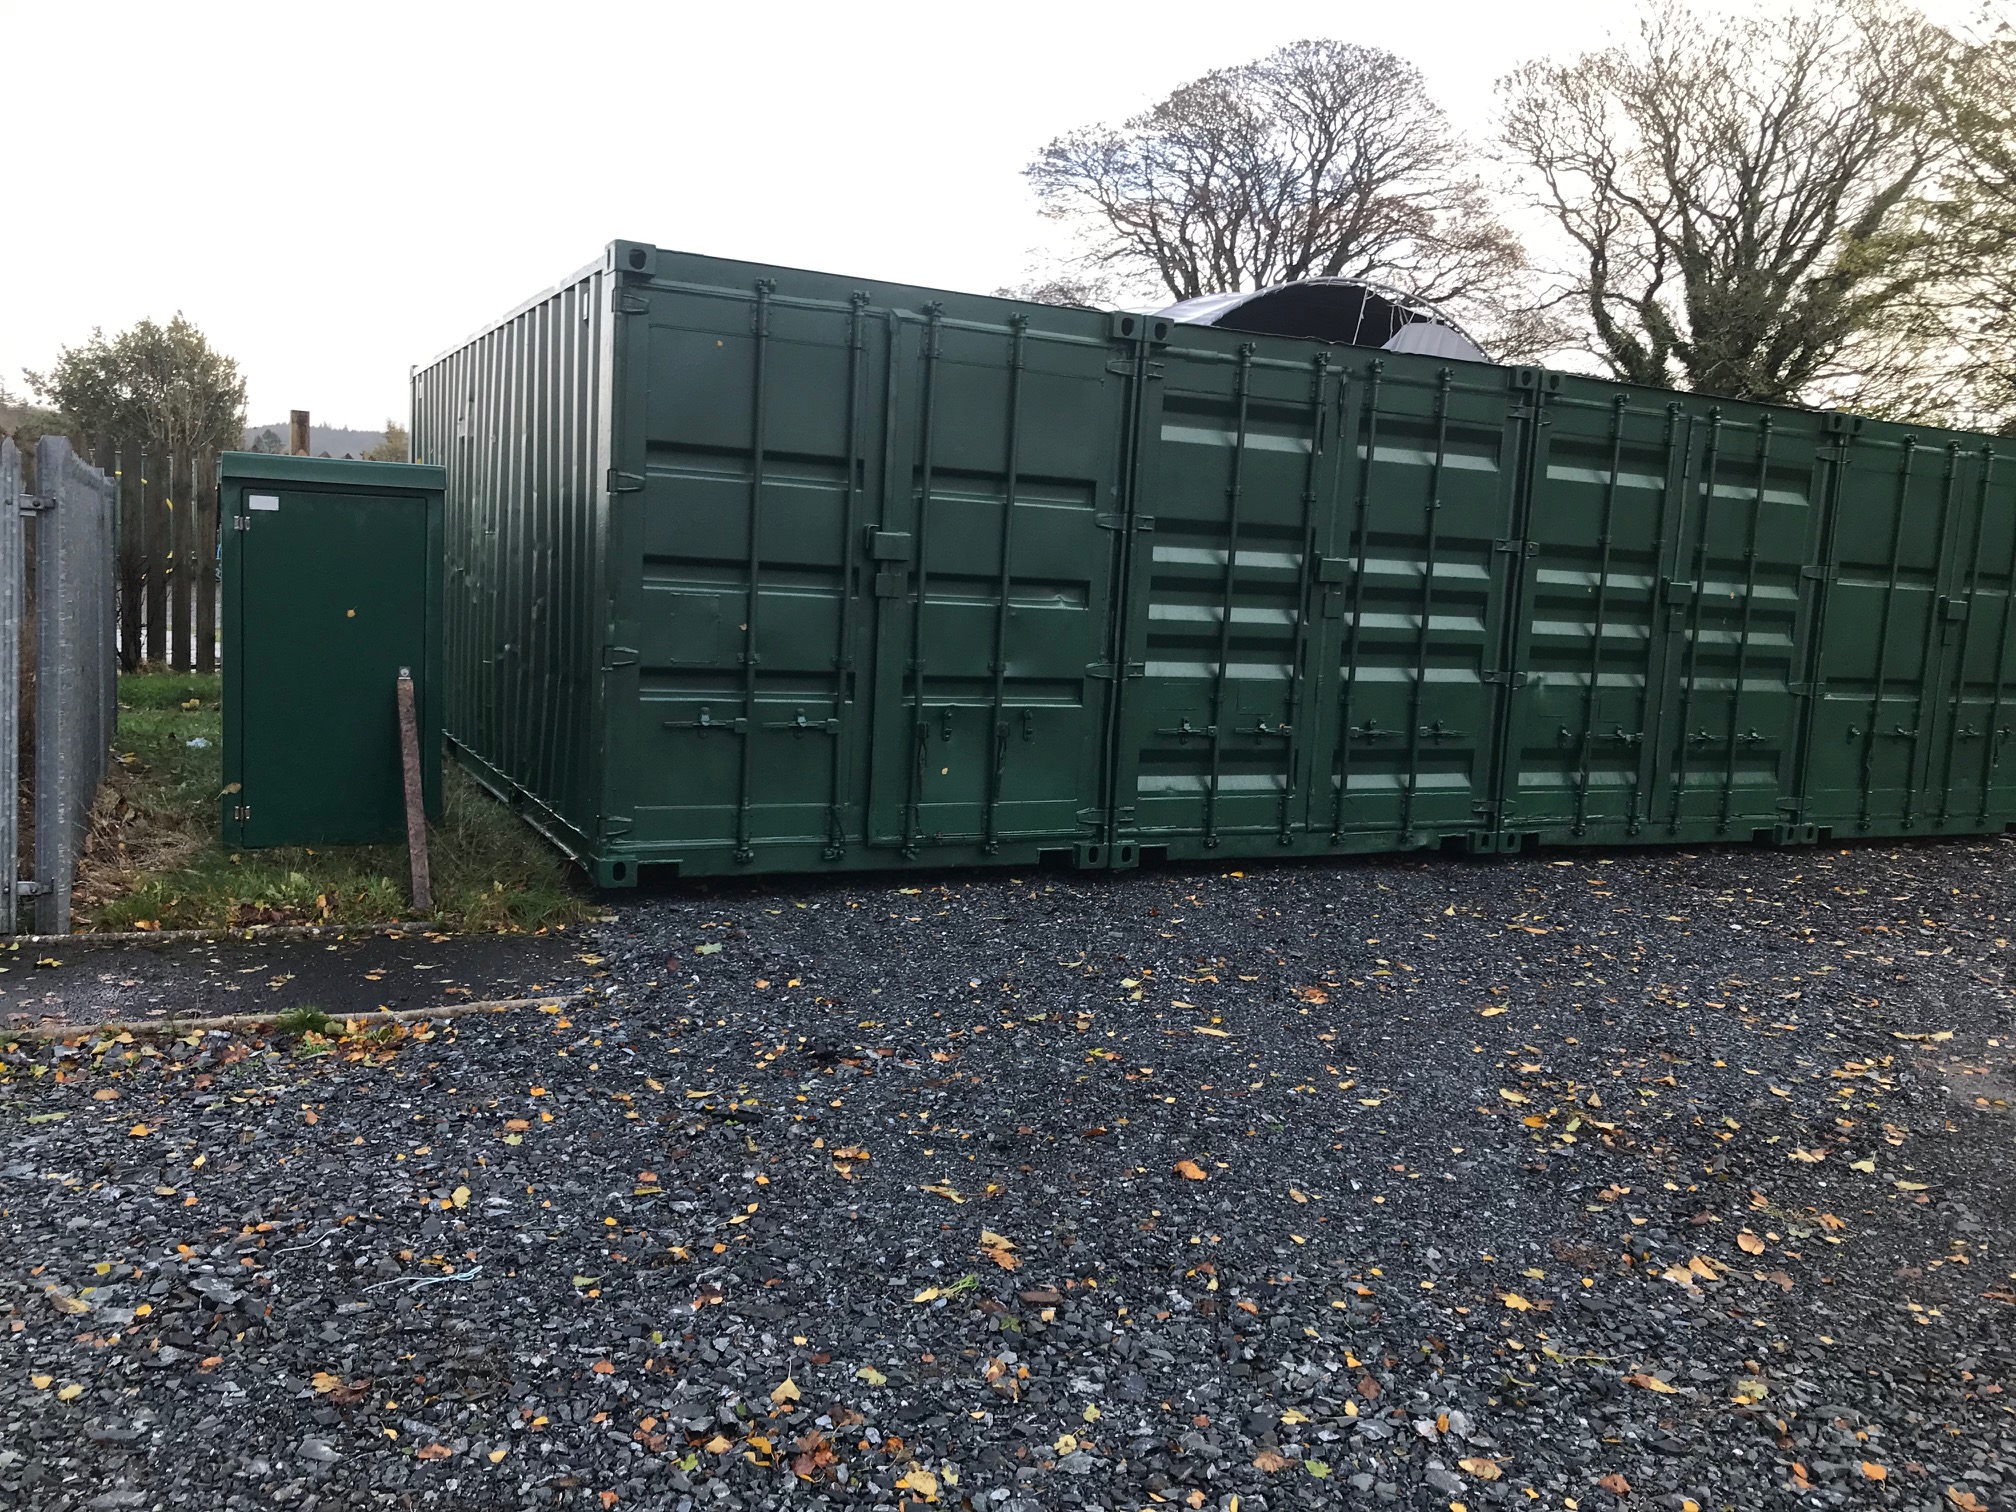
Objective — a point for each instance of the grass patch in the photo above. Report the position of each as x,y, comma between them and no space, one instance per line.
156,860
296,1022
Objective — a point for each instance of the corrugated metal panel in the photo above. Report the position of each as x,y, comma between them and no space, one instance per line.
1911,699
518,417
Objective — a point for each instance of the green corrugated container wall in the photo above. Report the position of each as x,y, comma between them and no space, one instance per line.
332,584
1034,581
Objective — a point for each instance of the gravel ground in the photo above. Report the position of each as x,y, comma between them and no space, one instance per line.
1650,1179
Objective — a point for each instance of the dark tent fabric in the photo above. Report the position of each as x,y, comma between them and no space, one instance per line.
1342,310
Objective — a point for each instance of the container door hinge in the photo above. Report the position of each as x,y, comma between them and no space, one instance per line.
1516,548
242,811
1814,574
614,825
625,482
1113,519
241,522
1108,669
618,656
632,304
1507,679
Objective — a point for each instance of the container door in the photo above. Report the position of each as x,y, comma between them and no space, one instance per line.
1724,726
1593,658
994,551
1962,711
332,602
1891,613
1239,459
757,435
1429,502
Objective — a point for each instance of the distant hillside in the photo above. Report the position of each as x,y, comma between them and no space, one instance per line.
331,439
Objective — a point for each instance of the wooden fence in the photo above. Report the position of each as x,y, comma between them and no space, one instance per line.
167,565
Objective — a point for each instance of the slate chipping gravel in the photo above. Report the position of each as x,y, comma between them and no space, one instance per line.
1694,1047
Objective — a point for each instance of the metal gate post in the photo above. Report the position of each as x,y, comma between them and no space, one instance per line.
11,585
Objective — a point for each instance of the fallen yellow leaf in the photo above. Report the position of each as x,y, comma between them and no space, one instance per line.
1189,1170
921,1482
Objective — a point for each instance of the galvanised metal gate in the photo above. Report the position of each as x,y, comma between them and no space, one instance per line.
758,569
60,597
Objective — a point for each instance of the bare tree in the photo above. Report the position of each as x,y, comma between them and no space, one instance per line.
1969,362
1322,159
1736,194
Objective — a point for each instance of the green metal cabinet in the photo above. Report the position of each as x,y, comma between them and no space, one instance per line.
332,585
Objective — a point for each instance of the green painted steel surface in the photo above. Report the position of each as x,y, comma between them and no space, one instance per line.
758,569
331,586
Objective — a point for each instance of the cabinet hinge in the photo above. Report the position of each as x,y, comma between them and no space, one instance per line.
625,482
1108,669
1113,519
242,811
241,522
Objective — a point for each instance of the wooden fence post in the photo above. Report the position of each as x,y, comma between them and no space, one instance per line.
181,548
131,462
205,565
154,552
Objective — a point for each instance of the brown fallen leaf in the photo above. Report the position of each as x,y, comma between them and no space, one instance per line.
1651,1383
1189,1170
1966,1501
1483,1469
787,1391
1873,1471
433,1452
1000,1249
1749,1243
324,1382
1271,1460
1368,1388
1615,1484
1514,1301
1041,1296
603,1367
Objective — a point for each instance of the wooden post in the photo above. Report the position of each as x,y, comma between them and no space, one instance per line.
154,553
181,554
132,563
416,804
205,566
297,432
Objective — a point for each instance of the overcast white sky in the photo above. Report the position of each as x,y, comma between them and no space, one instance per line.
337,191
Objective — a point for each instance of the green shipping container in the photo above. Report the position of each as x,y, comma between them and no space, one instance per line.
758,569
332,585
